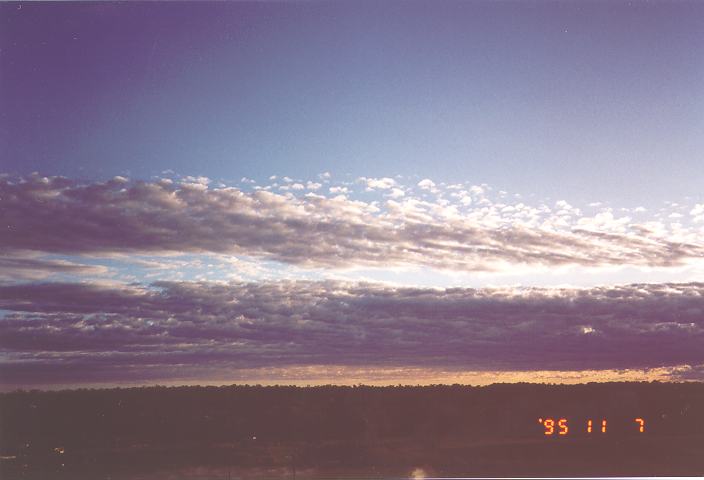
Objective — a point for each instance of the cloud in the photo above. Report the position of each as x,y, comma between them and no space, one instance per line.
698,212
232,326
378,183
689,373
426,184
396,193
55,215
22,267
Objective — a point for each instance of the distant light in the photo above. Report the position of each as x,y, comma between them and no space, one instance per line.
418,473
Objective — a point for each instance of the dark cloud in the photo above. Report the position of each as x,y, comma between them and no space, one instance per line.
690,373
58,215
124,330
18,267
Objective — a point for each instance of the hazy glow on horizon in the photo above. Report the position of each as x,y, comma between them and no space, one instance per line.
347,376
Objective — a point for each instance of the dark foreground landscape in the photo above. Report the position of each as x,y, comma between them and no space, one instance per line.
251,431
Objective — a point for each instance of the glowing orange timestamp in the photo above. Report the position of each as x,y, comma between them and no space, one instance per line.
560,427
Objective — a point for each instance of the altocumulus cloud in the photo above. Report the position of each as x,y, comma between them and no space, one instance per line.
23,267
84,332
457,229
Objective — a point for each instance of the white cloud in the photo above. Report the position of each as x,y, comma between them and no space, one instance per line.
698,212
426,184
384,183
396,193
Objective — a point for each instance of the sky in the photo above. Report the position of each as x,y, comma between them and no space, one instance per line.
351,192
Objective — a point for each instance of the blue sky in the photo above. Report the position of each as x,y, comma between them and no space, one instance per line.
310,192
587,102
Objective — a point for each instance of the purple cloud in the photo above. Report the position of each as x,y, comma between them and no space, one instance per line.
58,215
214,327
19,267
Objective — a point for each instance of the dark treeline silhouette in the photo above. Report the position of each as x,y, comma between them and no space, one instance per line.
445,429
